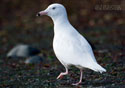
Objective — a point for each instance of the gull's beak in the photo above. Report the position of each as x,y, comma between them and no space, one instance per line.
42,13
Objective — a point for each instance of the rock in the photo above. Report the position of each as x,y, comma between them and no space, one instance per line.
22,51
34,60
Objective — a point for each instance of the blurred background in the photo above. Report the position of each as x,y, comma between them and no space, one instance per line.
100,22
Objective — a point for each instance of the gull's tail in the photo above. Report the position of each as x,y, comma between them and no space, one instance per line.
96,67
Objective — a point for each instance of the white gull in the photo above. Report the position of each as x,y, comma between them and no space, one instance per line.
70,47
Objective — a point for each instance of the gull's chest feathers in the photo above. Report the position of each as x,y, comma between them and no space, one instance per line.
62,35
62,45
61,40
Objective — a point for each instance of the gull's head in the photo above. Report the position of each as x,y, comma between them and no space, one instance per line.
54,11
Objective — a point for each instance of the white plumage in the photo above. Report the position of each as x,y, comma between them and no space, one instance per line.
70,47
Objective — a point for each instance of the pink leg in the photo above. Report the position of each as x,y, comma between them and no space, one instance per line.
63,73
80,78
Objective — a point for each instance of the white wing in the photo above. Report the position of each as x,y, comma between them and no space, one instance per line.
82,50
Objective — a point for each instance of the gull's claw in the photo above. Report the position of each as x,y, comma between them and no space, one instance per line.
76,84
60,76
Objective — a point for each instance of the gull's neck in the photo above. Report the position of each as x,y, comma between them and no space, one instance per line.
60,23
60,20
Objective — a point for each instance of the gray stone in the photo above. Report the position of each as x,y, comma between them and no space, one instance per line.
22,51
34,60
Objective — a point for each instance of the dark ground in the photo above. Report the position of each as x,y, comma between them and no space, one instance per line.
104,29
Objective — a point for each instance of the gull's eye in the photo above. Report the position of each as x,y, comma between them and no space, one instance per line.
54,8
